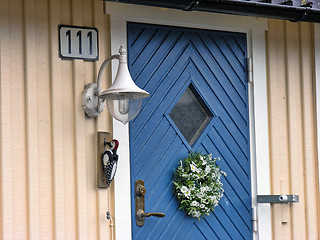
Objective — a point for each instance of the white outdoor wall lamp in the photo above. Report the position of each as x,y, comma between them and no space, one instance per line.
123,98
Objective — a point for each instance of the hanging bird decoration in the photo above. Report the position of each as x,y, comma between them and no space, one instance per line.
110,160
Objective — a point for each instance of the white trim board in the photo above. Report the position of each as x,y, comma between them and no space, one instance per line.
317,75
255,28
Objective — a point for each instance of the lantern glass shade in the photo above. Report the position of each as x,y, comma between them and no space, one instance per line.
123,108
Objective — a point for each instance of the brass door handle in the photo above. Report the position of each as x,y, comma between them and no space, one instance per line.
141,214
139,193
155,214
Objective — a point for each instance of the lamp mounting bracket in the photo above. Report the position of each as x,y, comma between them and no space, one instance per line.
91,103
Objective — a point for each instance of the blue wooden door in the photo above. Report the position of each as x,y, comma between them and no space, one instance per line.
205,71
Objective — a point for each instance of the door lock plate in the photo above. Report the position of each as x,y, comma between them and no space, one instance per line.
140,190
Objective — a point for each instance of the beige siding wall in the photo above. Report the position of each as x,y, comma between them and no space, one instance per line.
292,128
47,146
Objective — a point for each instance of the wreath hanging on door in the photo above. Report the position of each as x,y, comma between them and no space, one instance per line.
198,185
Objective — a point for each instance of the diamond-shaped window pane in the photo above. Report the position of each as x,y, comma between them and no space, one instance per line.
190,115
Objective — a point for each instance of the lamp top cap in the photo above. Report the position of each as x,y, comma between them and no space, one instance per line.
122,50
123,85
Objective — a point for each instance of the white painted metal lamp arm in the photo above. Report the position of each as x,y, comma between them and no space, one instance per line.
103,66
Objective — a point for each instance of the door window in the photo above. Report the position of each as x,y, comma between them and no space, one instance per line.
190,115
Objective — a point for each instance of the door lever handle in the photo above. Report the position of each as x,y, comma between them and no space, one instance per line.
155,214
141,214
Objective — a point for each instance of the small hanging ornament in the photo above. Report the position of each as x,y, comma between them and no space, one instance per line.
110,160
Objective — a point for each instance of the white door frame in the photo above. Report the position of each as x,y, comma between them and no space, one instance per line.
317,76
255,29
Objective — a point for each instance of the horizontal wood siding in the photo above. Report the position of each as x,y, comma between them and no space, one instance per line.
292,128
47,145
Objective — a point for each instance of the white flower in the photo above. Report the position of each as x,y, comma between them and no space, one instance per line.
187,193
194,204
199,195
195,176
203,189
202,205
196,214
193,168
184,189
201,157
192,187
212,198
210,156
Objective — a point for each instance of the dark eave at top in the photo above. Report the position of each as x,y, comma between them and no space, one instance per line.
292,10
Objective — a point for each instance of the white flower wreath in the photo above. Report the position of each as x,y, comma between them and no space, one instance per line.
198,184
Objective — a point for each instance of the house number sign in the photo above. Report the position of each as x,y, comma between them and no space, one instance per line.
78,43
